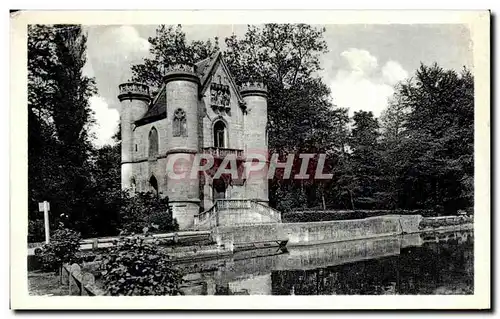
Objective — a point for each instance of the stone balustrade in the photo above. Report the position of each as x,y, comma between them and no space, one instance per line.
222,152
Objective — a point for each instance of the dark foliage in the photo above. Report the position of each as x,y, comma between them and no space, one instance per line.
146,210
136,267
62,248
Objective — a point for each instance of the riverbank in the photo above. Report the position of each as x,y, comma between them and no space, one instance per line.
225,241
260,271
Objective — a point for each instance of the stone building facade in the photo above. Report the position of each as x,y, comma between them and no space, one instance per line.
199,109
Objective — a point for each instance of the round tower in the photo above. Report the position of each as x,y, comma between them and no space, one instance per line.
182,89
254,95
134,98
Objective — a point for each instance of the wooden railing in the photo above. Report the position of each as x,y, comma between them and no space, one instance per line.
106,242
80,283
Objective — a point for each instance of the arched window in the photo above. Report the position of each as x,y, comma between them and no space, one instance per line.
153,185
179,125
220,140
153,143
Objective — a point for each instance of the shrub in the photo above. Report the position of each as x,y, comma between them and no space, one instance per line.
36,231
136,267
62,248
144,209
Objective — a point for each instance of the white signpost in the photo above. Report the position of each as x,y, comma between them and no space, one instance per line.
45,207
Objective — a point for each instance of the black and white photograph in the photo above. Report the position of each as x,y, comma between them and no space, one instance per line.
262,159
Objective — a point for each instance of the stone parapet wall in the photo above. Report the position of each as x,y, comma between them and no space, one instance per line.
316,232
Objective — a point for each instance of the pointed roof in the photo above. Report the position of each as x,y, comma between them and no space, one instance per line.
205,69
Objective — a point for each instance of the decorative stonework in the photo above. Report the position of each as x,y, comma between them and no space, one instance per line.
133,91
181,67
220,97
253,88
181,71
179,126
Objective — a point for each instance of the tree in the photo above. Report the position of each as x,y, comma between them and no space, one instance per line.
169,46
393,154
434,155
301,116
362,168
59,116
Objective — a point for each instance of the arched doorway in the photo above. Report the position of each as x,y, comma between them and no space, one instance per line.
219,187
153,185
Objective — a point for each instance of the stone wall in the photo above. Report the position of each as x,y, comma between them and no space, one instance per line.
316,232
233,119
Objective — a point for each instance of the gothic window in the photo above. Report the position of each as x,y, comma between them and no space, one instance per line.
180,126
153,143
220,135
153,185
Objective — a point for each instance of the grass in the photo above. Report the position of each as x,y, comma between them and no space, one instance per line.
45,284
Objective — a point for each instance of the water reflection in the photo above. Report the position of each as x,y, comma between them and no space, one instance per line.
411,264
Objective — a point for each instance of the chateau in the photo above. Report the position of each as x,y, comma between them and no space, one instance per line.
198,110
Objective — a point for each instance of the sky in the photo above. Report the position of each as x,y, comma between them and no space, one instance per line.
363,63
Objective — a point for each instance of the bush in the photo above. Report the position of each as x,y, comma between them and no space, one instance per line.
144,209
136,267
62,248
36,231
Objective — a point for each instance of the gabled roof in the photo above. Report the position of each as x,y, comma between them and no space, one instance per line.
205,69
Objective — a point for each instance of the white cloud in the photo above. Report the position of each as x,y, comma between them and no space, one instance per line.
107,120
393,72
360,60
359,85
122,43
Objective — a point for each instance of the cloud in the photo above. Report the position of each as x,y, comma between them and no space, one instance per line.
360,61
362,85
117,44
393,72
107,120
111,52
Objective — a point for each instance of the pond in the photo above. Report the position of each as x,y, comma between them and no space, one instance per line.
437,263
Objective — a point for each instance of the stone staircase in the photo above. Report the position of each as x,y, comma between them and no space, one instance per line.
234,212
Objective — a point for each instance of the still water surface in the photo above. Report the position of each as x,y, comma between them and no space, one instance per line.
411,264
